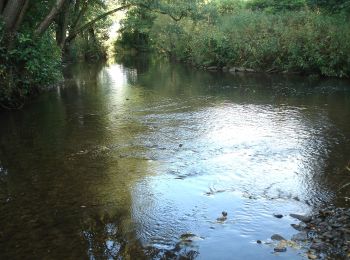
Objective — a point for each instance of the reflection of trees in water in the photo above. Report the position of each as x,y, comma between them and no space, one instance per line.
106,238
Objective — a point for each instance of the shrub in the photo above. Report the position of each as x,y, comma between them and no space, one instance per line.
301,41
27,67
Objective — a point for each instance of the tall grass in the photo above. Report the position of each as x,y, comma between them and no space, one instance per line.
295,41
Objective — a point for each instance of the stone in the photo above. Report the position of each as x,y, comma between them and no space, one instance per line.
311,256
297,227
300,237
278,215
302,218
277,237
318,246
280,249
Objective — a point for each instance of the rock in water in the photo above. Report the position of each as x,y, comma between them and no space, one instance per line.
280,249
302,218
277,237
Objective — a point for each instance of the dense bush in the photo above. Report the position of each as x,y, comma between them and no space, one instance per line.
263,35
27,67
299,41
277,5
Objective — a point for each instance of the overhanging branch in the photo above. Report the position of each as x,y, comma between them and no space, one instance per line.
86,26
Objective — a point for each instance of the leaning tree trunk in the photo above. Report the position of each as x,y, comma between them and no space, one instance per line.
21,15
49,18
10,13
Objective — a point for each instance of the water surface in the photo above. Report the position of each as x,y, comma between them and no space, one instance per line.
138,159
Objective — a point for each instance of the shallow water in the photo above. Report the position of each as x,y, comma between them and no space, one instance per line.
138,160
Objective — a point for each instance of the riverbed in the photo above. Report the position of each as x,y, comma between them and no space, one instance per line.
142,159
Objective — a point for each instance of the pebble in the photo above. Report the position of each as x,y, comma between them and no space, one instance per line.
278,215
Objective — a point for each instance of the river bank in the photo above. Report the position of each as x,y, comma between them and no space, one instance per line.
327,233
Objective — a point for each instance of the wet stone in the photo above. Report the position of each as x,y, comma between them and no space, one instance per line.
311,256
318,246
278,215
280,249
300,237
298,227
302,218
277,237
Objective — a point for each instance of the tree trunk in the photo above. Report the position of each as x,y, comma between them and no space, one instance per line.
49,18
21,15
11,12
2,4
62,24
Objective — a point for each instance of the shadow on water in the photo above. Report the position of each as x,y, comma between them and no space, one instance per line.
138,161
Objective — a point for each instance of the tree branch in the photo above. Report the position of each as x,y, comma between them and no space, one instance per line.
80,14
176,19
74,33
49,18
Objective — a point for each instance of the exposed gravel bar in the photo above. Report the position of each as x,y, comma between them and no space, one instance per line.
327,233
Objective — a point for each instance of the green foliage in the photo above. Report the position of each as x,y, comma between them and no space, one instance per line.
135,30
332,6
263,35
27,67
277,5
303,41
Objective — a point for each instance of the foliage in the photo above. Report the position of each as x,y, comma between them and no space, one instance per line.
27,67
332,6
30,58
277,5
263,35
135,29
89,45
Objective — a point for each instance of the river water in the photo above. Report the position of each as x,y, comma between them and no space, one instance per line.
137,160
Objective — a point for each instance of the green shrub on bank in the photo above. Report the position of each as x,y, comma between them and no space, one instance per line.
302,41
27,67
277,5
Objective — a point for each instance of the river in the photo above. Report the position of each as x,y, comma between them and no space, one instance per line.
138,159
